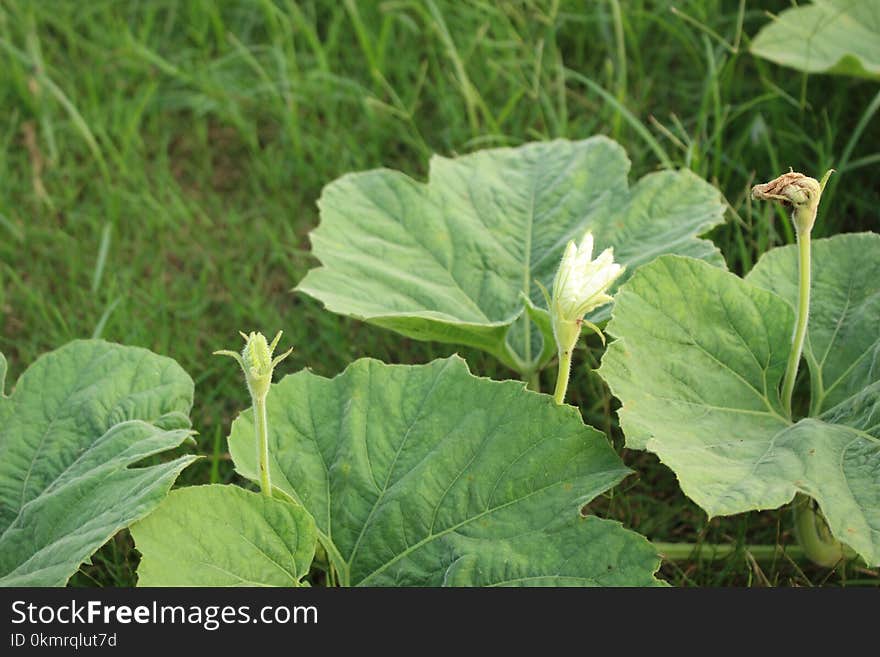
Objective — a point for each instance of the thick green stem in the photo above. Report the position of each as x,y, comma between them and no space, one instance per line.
533,380
261,428
803,315
562,376
709,552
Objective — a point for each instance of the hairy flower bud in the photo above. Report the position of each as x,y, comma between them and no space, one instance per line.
257,355
257,362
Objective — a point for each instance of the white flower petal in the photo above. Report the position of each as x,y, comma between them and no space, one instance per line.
582,283
586,246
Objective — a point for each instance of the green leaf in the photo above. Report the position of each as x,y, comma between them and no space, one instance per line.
224,536
426,475
829,36
843,343
697,364
586,552
454,260
74,423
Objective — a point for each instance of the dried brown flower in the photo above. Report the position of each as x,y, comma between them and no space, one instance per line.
798,192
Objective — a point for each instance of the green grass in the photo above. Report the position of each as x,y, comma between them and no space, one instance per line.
160,162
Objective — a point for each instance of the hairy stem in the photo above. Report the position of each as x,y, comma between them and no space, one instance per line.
562,376
261,428
803,315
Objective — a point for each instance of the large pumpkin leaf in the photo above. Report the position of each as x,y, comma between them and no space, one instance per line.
426,475
586,552
74,423
457,259
828,36
843,343
697,363
224,536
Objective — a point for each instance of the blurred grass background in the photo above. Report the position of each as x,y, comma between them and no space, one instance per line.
160,162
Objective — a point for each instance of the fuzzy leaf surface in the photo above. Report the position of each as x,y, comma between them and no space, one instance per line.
76,422
224,536
426,475
698,362
456,259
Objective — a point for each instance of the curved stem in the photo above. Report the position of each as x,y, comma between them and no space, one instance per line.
562,376
803,315
261,428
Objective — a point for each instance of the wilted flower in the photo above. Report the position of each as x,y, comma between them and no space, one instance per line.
797,191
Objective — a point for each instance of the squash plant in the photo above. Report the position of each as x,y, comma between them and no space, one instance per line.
426,475
384,475
705,363
402,475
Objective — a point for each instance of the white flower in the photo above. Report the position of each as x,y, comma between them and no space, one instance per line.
581,284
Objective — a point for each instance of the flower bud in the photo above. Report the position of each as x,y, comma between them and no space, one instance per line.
256,354
257,362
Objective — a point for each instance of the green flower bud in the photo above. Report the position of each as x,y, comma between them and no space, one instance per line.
256,354
257,362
